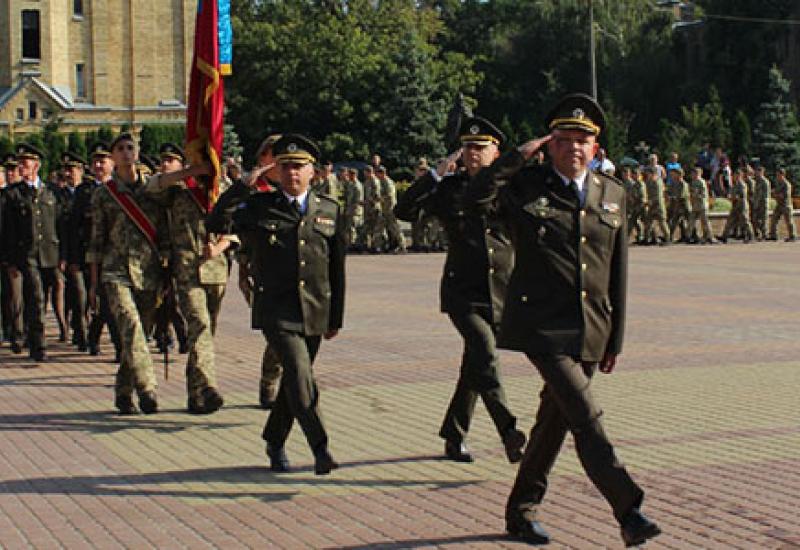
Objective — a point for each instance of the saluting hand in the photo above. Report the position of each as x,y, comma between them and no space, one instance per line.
529,148
257,171
445,164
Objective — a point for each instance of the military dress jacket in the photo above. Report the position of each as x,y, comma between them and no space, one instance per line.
186,225
567,291
32,226
479,256
125,255
296,262
79,224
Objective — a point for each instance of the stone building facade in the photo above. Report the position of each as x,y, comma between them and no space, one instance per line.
89,63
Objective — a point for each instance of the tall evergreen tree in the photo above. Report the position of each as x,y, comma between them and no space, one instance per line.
413,112
776,130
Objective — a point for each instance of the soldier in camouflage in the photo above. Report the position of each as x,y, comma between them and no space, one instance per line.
636,196
374,225
783,207
698,191
353,209
200,268
739,216
679,204
397,242
656,211
761,194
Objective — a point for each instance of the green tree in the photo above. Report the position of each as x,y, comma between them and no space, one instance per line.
742,135
231,146
776,131
76,144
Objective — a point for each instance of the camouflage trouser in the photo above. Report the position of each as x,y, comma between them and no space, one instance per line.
200,305
739,218
270,368
700,214
785,213
679,218
657,217
636,221
132,311
374,229
353,226
396,238
760,218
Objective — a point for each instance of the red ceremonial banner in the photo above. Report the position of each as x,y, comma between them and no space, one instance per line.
204,122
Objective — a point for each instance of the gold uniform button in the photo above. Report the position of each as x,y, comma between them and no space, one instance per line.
491,251
583,267
302,223
583,213
302,283
524,298
488,231
491,271
302,242
583,294
302,263
583,239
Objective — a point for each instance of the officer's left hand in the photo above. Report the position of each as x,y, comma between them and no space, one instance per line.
608,363
62,266
331,334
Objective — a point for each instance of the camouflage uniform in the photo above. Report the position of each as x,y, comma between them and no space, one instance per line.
373,214
679,207
656,211
761,196
200,284
739,216
131,275
636,194
353,212
388,202
783,209
698,191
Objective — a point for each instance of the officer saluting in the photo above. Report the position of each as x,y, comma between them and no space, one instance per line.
565,306
294,241
479,262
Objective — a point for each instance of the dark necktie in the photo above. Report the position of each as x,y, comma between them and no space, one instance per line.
577,190
296,206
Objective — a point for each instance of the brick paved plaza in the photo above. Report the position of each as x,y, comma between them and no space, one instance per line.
704,408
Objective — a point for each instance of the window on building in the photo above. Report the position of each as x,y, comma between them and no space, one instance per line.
80,80
20,115
32,108
47,114
31,48
77,8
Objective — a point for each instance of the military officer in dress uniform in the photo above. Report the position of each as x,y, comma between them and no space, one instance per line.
10,286
73,166
200,268
565,306
476,271
32,218
294,240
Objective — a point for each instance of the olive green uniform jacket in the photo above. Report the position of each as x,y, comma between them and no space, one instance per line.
567,290
296,261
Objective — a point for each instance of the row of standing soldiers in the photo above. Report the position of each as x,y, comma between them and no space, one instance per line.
656,210
368,207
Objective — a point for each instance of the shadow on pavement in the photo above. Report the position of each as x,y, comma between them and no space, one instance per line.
429,542
164,484
99,422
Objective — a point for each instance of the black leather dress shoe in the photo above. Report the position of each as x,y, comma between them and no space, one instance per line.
16,348
514,442
212,400
195,405
278,461
324,462
39,356
93,349
529,531
148,402
457,451
636,528
124,404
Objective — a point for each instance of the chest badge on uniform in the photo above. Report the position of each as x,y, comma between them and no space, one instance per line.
611,207
273,238
324,221
541,207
